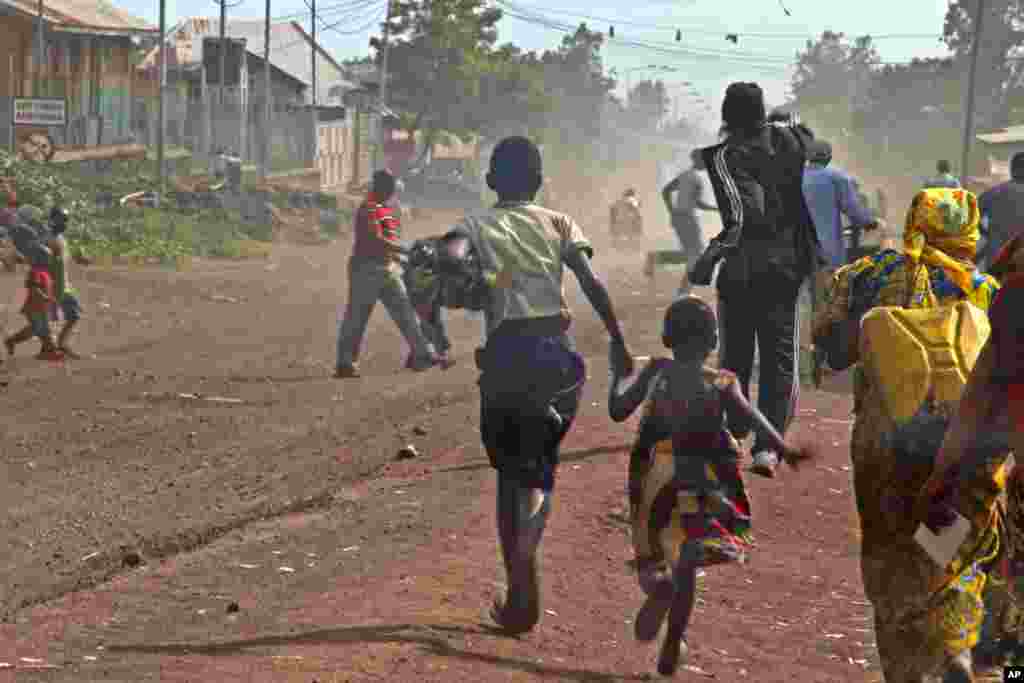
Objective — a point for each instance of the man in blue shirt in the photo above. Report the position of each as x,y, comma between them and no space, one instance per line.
1001,209
830,194
945,178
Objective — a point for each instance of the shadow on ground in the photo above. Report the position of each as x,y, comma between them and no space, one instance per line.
571,456
430,637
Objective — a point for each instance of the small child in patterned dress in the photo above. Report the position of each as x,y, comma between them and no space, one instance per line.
701,516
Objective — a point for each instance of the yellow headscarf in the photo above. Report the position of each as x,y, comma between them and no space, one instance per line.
942,230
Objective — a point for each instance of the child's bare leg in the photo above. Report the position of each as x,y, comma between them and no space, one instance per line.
674,650
660,590
65,335
19,337
522,517
47,344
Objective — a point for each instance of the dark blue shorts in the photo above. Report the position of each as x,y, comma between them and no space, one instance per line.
71,308
530,390
40,323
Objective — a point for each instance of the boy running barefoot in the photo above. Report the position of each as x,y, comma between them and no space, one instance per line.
66,297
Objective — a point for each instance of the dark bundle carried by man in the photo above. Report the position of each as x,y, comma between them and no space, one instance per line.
431,276
28,233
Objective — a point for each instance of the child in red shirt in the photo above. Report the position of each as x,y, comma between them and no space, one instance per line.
38,301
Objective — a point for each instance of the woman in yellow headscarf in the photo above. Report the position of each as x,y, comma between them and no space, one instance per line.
927,618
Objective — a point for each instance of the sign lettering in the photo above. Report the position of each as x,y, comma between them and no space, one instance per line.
33,111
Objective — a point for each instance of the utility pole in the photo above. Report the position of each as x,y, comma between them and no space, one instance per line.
383,77
314,118
971,78
223,50
265,166
40,54
162,77
312,8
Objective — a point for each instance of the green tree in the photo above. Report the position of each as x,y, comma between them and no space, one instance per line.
448,78
832,81
513,95
648,105
575,79
438,53
1003,30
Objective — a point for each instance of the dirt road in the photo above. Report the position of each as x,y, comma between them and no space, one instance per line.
200,502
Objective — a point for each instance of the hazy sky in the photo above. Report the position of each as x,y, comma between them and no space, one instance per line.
768,39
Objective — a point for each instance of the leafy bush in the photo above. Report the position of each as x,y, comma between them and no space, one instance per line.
166,233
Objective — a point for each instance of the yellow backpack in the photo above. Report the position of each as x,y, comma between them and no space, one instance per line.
921,356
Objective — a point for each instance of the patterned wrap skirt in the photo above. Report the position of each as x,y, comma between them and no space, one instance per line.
690,507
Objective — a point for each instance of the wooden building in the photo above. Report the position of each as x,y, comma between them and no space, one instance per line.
86,61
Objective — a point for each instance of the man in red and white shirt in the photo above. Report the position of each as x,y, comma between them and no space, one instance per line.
375,273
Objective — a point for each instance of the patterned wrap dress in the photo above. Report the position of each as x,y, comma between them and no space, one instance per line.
924,614
687,496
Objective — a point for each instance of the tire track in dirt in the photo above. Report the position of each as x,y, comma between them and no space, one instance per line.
106,564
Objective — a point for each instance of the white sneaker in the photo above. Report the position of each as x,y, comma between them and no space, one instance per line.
765,463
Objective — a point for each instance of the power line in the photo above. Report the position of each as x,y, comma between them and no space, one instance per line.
375,15
705,31
362,29
331,27
758,62
539,19
763,62
351,6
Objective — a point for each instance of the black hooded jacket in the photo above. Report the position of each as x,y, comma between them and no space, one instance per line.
758,184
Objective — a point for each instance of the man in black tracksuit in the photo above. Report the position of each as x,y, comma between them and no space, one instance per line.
768,247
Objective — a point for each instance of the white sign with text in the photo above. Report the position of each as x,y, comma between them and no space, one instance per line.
40,111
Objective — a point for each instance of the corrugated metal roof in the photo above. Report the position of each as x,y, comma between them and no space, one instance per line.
1005,136
289,49
88,14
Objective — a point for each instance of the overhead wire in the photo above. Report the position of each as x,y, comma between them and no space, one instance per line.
764,62
671,28
334,8
334,26
756,62
376,19
229,5
511,9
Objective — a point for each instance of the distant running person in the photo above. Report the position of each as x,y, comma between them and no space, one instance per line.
945,177
1001,210
683,196
375,274
626,223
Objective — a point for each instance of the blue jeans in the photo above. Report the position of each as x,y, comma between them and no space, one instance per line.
435,329
368,283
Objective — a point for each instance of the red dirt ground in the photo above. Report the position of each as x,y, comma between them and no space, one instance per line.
136,517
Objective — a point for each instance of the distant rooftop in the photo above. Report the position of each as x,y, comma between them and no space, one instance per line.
1005,136
289,49
83,15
